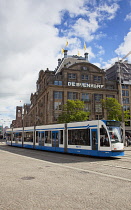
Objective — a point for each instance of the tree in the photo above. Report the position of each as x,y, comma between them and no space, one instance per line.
72,111
114,109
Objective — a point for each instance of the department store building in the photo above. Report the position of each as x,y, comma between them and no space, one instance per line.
74,78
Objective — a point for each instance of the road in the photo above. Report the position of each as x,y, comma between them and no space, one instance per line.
33,180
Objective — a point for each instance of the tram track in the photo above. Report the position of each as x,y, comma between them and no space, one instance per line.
125,159
77,168
90,160
110,165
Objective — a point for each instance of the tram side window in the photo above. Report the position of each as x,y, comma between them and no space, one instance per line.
79,137
104,140
17,137
48,137
28,136
61,137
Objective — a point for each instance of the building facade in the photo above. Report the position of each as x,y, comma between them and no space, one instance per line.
74,78
121,72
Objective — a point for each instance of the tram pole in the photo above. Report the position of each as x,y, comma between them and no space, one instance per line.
121,100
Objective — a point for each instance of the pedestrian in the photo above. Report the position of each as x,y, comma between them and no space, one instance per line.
126,139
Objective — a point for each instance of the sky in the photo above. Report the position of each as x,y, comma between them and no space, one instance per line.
33,32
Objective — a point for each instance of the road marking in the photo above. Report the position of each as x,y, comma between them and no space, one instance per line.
111,165
74,168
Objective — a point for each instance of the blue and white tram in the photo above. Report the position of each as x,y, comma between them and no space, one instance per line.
100,138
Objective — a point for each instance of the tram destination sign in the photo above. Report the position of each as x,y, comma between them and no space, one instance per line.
77,84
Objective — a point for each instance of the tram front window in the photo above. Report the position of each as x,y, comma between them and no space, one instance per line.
115,135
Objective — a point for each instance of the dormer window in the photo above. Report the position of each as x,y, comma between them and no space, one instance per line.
84,68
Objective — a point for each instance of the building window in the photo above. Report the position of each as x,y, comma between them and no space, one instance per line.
56,82
110,96
85,97
98,117
125,100
72,95
57,95
71,76
57,105
87,107
56,117
98,108
125,93
110,87
84,77
126,107
125,86
97,78
98,97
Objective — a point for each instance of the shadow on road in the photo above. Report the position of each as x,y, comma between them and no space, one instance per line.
52,156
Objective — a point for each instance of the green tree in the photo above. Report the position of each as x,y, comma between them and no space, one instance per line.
114,109
72,111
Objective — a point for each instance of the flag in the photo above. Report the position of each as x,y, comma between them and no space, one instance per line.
62,50
66,43
79,53
84,46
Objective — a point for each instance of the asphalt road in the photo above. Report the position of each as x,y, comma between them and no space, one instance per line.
33,180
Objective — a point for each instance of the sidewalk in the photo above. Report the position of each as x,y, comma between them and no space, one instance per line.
127,148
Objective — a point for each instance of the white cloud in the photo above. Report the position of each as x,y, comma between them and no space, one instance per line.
92,20
128,16
29,40
97,64
101,49
109,63
108,10
85,28
125,47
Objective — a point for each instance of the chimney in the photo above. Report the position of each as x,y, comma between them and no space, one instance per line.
59,62
65,53
86,56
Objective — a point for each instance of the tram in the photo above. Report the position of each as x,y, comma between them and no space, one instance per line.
101,138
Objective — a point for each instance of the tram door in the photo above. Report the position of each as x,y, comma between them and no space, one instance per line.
55,139
41,138
94,139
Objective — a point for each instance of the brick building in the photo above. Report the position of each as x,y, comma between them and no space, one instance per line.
74,78
18,121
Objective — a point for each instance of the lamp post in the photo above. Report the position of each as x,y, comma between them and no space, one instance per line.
23,130
121,99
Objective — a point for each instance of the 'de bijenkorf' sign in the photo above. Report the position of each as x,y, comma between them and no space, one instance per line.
77,84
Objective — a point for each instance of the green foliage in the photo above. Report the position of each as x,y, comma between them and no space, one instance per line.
114,109
73,111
